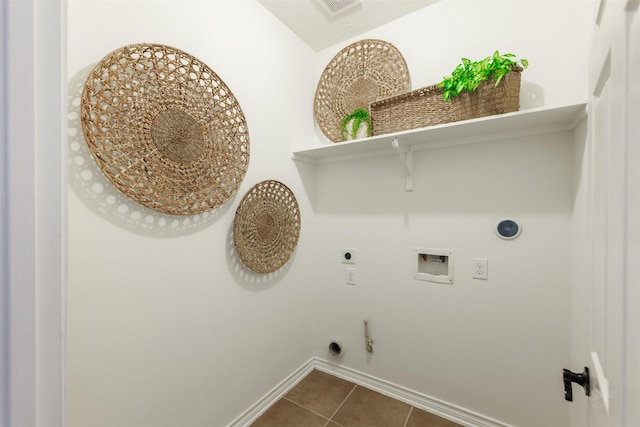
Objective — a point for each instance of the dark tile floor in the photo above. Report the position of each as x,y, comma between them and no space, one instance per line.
323,400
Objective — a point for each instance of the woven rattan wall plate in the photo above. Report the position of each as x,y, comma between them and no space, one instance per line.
361,73
165,129
266,226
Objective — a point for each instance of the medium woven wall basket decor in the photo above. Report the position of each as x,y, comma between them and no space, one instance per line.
266,226
165,129
361,73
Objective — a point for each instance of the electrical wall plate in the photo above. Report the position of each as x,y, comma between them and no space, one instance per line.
348,256
480,268
433,265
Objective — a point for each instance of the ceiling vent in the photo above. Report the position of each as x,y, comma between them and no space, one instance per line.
336,7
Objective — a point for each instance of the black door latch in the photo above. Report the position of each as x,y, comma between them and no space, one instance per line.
582,379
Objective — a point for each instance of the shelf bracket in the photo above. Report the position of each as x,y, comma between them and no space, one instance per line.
406,156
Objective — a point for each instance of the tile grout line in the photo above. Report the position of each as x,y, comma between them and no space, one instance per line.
307,409
406,421
329,419
342,404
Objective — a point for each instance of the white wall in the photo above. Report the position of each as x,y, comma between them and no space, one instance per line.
496,347
166,326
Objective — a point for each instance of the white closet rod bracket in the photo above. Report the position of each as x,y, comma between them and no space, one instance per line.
406,156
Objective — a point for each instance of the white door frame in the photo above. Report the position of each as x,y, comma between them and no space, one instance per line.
632,275
33,195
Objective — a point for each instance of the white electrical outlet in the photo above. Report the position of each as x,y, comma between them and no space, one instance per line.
480,268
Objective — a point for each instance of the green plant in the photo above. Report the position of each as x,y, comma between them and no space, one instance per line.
468,75
358,116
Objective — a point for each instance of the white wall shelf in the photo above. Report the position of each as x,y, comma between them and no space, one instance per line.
509,125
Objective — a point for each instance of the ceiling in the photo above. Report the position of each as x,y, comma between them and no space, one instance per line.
319,30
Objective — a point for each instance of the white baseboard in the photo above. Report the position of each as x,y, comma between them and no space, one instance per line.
430,404
252,414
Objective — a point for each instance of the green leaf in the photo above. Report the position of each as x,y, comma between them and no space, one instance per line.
469,74
358,116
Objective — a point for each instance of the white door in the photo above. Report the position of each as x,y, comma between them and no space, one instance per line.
615,186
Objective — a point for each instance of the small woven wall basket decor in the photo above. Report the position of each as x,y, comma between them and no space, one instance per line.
165,129
266,226
358,75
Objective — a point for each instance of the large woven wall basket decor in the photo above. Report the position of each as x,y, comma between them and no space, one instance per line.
361,73
165,129
266,226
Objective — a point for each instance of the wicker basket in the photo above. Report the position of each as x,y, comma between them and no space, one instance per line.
425,106
488,100
416,109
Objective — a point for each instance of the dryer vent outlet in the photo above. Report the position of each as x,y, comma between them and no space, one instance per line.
335,348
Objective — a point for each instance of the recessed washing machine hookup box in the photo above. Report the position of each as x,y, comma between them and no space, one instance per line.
433,265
